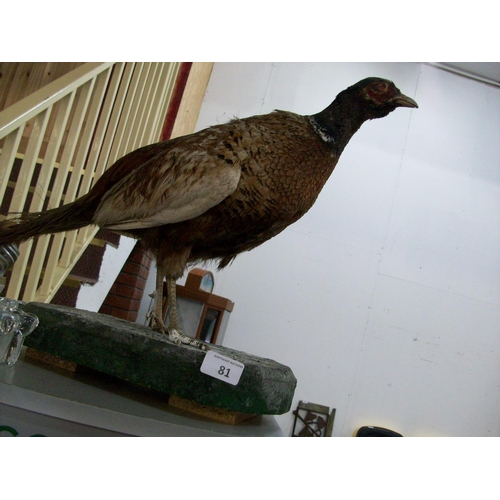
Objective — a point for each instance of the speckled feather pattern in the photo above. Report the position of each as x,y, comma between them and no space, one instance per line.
280,170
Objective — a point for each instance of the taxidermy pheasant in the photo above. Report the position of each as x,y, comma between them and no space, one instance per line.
218,192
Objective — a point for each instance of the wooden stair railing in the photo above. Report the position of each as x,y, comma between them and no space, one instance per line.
56,142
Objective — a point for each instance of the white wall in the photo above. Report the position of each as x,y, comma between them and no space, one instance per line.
91,297
383,299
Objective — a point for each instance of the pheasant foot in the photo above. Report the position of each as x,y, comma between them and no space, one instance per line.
175,335
179,338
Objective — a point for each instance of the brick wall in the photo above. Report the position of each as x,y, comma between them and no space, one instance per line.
124,297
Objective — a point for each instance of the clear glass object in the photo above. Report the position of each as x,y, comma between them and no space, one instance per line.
15,324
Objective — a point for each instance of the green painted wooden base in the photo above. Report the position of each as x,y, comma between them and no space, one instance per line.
141,356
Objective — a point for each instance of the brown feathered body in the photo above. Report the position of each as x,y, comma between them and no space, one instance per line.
280,177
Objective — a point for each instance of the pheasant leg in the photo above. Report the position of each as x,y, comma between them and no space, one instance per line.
173,330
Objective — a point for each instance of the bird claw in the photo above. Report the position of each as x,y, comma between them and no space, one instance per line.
174,335
156,323
179,338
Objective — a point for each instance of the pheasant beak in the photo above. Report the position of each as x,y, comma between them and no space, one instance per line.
404,101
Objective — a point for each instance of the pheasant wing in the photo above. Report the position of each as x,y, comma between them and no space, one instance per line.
176,185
